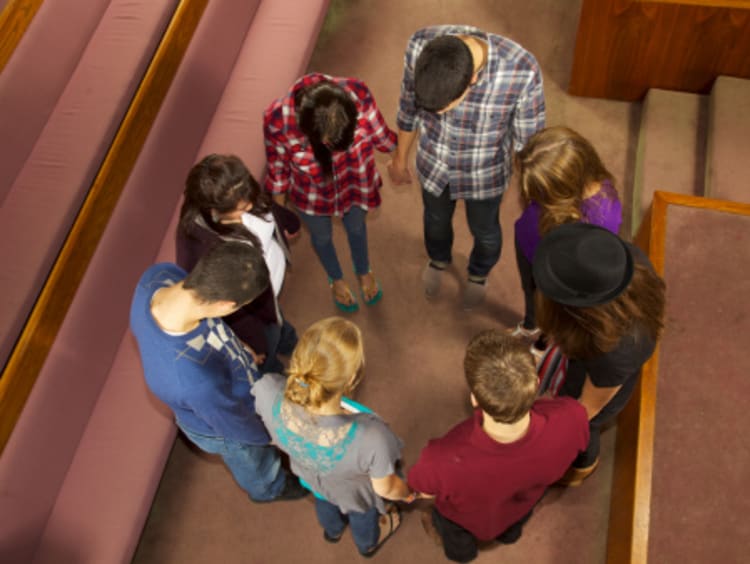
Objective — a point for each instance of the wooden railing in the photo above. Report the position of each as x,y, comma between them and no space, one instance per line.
15,19
38,335
630,505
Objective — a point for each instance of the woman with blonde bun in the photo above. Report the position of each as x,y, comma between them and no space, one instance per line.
348,459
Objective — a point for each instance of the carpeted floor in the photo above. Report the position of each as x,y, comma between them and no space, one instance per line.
414,348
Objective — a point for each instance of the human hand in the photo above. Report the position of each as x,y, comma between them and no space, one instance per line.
399,172
258,359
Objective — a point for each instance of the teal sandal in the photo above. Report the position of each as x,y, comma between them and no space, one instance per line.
376,298
348,308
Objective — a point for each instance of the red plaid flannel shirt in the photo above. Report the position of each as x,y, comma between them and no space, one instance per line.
293,169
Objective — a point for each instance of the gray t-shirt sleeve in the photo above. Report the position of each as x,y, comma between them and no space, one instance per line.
266,390
379,449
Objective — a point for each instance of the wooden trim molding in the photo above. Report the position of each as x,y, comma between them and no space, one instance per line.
740,4
36,339
14,21
630,506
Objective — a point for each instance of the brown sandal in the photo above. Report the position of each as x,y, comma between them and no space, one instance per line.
391,510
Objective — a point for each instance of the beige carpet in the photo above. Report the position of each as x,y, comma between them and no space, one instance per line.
414,348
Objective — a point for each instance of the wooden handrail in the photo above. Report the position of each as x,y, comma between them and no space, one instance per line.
38,335
630,506
14,21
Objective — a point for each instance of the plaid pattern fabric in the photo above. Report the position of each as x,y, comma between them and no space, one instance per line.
469,148
293,169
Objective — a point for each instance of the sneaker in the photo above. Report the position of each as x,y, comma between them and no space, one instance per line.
431,278
292,490
575,476
474,292
523,333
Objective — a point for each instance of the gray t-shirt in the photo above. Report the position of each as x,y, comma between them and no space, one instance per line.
336,455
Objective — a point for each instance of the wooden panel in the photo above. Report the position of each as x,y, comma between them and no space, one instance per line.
37,337
630,506
14,20
625,47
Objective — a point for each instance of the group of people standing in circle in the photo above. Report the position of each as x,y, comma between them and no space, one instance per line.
591,300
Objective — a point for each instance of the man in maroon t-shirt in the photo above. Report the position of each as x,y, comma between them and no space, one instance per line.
487,473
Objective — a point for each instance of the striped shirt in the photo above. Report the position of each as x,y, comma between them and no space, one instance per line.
293,169
469,148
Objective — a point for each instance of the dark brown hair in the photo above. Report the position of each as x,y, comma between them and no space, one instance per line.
327,115
501,373
219,183
230,271
585,332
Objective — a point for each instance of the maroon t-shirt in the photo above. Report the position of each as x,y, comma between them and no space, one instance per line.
486,486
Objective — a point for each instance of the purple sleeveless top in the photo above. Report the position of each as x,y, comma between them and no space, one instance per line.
602,209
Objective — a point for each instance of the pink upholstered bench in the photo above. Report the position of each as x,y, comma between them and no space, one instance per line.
64,93
78,475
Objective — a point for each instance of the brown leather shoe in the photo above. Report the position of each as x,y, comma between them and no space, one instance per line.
575,476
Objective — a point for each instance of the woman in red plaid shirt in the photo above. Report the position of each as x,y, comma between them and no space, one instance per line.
320,139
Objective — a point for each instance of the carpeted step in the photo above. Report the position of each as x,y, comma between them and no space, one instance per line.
671,148
727,155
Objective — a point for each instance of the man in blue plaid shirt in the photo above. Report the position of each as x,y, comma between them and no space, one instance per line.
477,97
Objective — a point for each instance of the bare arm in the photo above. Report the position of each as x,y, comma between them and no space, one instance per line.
594,398
393,487
398,167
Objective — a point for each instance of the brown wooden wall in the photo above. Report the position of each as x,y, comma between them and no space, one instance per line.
625,47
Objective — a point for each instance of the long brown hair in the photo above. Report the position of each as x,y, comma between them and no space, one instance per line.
327,115
585,332
219,183
557,165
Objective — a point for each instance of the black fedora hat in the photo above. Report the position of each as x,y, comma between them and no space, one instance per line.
582,265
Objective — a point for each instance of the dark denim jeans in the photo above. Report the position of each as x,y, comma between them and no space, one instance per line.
256,468
459,545
484,223
365,528
281,339
321,233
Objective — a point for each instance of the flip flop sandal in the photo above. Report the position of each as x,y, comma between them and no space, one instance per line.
391,510
348,308
374,299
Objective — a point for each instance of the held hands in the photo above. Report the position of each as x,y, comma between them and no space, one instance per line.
398,171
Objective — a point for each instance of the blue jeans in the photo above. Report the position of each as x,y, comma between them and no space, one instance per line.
280,339
484,223
256,468
365,528
321,233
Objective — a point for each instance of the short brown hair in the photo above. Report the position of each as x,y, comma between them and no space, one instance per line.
230,271
501,374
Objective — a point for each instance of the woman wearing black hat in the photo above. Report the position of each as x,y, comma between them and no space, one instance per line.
600,300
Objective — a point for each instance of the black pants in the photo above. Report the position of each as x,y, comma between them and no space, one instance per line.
589,456
528,285
460,545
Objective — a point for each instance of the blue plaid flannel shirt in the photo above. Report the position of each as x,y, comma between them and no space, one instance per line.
470,147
